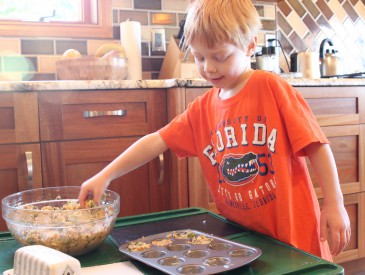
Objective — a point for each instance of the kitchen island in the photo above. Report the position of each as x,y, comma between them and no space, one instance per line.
49,136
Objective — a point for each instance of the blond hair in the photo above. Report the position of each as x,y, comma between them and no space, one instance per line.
215,22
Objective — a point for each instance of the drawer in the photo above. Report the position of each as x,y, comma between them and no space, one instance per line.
333,107
18,118
86,114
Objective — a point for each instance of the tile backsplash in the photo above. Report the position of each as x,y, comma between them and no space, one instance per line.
303,24
300,25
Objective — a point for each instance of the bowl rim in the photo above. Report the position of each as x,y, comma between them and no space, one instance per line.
6,205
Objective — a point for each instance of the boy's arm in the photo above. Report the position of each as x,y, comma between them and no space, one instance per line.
139,153
335,223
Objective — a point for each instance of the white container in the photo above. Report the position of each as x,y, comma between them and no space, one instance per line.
41,260
308,64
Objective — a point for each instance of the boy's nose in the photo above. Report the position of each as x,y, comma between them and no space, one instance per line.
209,67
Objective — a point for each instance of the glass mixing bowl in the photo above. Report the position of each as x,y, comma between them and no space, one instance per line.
49,217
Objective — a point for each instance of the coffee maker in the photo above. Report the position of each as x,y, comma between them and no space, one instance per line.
268,58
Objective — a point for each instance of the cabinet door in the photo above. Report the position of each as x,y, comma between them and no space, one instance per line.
18,117
72,162
347,144
20,169
344,127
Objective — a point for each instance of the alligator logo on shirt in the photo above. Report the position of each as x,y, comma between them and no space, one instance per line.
239,169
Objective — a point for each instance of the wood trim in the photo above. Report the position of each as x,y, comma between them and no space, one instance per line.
340,119
362,159
101,29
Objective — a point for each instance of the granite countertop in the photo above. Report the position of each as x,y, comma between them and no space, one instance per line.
152,84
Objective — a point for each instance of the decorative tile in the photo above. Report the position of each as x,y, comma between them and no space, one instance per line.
310,41
300,25
146,33
140,16
351,30
297,42
122,4
115,17
9,45
360,8
180,16
338,10
284,7
322,5
287,47
63,45
36,46
148,5
339,29
297,7
174,5
268,25
116,32
261,41
311,24
93,45
283,24
145,49
297,23
152,64
325,26
170,32
47,63
312,8
260,10
270,11
161,18
43,77
350,11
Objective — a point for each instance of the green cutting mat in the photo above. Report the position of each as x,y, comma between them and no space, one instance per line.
106,253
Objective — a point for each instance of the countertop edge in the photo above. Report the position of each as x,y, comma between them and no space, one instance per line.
57,85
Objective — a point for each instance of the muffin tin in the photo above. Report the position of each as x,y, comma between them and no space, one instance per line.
183,257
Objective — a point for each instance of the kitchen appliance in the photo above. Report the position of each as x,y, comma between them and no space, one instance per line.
268,59
331,63
306,63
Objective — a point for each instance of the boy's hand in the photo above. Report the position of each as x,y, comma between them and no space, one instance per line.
335,227
93,188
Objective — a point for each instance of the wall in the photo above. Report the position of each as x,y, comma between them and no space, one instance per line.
302,24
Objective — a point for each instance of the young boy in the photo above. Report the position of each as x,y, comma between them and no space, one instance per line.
250,132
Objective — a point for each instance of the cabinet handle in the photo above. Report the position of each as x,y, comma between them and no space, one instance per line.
29,159
161,174
104,113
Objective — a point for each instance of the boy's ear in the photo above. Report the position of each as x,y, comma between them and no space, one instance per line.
252,46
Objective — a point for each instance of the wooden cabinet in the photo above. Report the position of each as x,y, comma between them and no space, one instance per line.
340,112
59,138
20,161
82,131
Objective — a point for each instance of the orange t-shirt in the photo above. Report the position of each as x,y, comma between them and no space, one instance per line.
250,149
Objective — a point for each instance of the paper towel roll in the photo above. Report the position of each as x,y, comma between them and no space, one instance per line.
130,39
